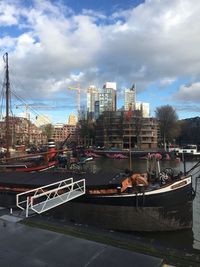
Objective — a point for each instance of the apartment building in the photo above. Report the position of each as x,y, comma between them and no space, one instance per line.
62,131
22,131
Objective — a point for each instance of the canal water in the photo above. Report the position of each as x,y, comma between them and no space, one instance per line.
186,239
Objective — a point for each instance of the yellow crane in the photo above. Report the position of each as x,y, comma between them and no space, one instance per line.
78,89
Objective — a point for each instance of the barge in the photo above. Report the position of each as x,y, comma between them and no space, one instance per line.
122,201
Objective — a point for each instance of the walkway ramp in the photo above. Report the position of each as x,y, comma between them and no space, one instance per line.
50,196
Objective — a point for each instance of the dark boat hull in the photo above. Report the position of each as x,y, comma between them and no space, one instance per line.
165,211
34,168
127,218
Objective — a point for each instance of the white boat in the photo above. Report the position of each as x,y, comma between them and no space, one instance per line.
188,150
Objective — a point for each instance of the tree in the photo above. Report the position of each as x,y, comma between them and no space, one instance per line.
87,131
190,131
48,130
167,118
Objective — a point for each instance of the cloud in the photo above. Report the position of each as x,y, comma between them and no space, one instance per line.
8,14
190,108
167,81
52,48
7,42
189,93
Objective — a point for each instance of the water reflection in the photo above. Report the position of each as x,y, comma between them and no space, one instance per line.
138,165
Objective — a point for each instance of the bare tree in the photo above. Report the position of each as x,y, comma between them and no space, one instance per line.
167,118
48,130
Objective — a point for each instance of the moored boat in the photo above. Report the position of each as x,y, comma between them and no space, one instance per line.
116,156
25,163
155,208
123,201
32,163
187,151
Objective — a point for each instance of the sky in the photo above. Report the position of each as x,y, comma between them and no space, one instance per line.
54,45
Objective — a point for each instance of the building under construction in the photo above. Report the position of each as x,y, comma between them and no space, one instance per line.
113,129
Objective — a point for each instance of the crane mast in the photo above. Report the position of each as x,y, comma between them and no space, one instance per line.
78,89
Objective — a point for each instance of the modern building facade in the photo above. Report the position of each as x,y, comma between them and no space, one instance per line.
108,97
144,108
130,98
92,97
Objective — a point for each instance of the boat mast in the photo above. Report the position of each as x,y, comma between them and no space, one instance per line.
7,84
130,158
129,119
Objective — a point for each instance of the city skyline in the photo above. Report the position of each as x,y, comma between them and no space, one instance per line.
151,43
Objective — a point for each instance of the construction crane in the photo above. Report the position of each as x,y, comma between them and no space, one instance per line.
78,89
27,107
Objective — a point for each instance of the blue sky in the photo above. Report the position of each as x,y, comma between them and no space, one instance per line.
53,45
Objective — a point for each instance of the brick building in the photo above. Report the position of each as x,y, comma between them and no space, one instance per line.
22,131
62,131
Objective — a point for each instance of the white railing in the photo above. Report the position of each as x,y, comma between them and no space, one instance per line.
50,196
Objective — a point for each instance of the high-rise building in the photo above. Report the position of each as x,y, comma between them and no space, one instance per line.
96,110
130,98
144,108
92,97
107,97
72,119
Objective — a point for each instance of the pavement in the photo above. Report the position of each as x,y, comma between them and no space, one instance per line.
25,246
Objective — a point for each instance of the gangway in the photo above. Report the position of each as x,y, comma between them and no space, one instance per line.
50,196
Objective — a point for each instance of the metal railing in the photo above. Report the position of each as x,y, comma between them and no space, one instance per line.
49,196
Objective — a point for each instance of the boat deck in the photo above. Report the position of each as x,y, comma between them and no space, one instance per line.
32,180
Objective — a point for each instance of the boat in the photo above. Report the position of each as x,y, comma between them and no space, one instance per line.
135,202
116,156
92,154
32,162
157,200
86,159
165,156
25,163
188,151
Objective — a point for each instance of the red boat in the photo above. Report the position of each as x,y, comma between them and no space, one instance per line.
27,163
32,162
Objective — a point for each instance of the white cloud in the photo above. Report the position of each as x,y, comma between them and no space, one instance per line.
167,81
155,42
8,14
190,93
7,42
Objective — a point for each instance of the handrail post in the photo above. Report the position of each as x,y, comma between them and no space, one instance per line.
27,206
